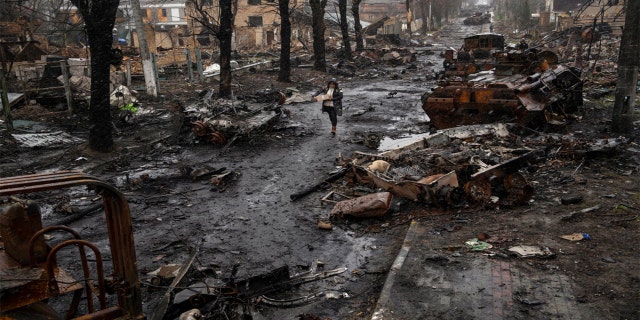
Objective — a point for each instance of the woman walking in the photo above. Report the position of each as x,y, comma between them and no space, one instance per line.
331,98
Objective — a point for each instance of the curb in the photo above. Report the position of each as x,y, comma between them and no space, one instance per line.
381,312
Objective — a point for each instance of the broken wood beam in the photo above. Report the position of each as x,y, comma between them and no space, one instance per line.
316,186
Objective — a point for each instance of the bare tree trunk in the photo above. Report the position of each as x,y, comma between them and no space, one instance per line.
317,17
224,35
355,10
99,18
628,62
100,132
426,19
284,75
344,28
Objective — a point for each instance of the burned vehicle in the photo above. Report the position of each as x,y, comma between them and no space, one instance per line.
487,51
478,18
532,101
219,122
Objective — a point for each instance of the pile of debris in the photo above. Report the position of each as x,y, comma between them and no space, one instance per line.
467,167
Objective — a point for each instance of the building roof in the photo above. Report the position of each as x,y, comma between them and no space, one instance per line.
159,2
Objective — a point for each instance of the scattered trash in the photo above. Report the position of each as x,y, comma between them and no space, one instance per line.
576,236
530,302
220,179
609,260
571,200
193,314
532,251
166,272
380,166
324,225
371,205
577,214
211,69
477,245
121,96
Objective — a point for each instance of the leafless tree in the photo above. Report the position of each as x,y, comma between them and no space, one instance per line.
219,21
99,18
628,65
317,22
284,75
355,11
344,29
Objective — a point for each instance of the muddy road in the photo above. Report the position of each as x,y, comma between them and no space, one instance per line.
247,225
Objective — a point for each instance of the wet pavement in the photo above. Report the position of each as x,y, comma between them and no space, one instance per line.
433,279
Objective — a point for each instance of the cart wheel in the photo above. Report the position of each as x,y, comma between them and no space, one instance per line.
478,190
199,129
519,191
281,98
217,138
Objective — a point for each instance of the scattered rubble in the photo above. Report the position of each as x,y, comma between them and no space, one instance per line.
443,171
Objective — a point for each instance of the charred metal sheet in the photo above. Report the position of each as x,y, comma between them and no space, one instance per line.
440,138
45,140
436,191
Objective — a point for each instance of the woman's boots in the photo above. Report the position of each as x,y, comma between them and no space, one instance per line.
333,130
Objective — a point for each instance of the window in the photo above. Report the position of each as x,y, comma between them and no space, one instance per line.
164,13
254,2
255,21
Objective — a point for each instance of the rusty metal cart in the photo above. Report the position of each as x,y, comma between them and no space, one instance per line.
50,279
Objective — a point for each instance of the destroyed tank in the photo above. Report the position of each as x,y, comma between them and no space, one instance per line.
486,51
529,100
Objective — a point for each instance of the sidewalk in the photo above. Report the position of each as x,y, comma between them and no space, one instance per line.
431,279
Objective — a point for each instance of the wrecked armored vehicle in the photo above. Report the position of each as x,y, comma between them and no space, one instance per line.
486,51
477,19
531,101
219,122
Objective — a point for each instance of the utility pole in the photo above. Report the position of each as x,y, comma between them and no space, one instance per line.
150,77
628,63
